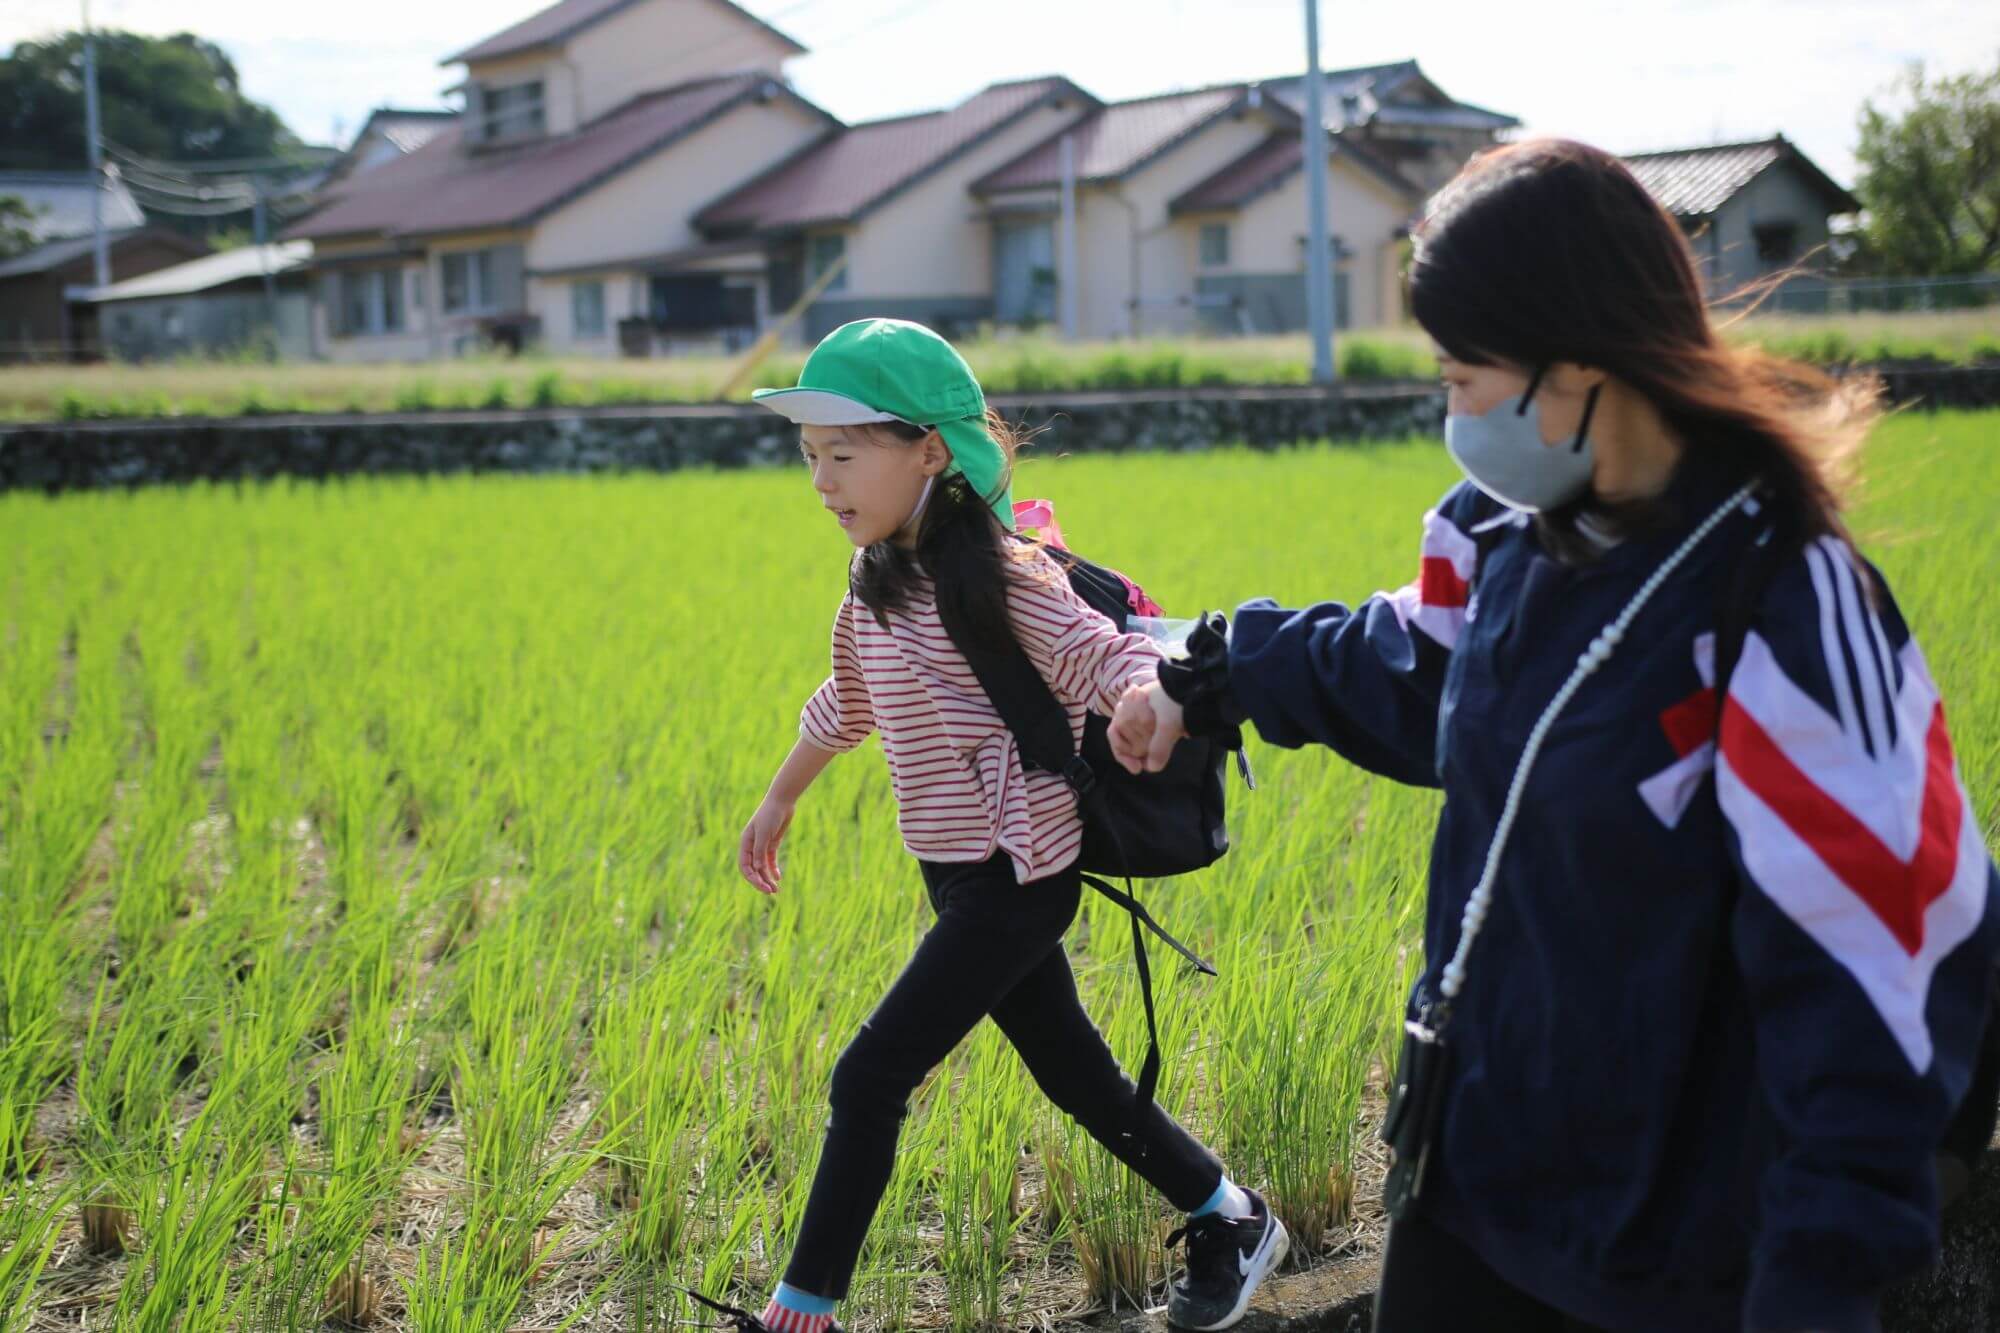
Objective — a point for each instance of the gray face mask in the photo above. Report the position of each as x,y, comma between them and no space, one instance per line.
1501,450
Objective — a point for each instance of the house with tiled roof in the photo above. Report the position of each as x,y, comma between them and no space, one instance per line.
631,175
1749,209
892,199
1398,115
1191,217
592,132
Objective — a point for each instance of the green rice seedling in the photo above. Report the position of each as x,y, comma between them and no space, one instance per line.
979,1193
649,1057
245,782
189,1212
31,1223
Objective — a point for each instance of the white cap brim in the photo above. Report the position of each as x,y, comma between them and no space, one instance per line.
820,407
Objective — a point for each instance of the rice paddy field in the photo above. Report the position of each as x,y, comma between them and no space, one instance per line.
371,946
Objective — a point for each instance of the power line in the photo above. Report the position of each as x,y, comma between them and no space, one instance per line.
180,208
138,178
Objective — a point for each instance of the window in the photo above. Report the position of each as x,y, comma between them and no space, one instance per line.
586,309
172,321
374,301
1215,245
417,290
1777,242
511,113
467,281
825,252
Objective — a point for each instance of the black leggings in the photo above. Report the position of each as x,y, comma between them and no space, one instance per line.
995,950
1432,1283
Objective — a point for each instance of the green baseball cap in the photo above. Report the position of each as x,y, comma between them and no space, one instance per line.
875,370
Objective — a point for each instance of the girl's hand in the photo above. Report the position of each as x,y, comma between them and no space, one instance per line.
1132,726
1146,728
757,857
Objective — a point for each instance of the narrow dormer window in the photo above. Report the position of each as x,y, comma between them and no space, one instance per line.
505,114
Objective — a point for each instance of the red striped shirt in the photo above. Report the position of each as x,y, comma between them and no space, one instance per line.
960,788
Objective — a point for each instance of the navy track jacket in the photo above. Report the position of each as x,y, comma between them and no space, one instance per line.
1739,957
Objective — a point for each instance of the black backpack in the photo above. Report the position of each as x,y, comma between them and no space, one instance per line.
1144,826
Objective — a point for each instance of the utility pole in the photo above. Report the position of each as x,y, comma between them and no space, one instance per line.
1071,278
261,227
99,246
1319,256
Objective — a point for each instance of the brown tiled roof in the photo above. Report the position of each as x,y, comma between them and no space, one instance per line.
443,187
563,20
1693,182
1258,170
849,172
1117,138
1268,166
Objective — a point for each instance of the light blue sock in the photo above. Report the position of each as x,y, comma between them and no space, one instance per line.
1228,1198
804,1302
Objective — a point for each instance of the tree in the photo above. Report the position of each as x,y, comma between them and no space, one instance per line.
1930,176
175,98
17,232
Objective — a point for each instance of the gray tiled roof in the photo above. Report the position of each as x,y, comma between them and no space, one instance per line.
1689,182
1377,94
1694,182
850,171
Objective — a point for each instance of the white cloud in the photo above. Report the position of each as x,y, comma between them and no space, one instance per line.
1625,76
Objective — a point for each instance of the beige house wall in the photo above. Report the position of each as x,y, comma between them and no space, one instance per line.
654,44
1363,211
659,43
553,300
413,343
1129,218
646,209
931,240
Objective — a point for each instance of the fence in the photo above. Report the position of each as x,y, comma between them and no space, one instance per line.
1813,294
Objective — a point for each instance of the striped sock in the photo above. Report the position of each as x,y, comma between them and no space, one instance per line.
795,1311
1228,1199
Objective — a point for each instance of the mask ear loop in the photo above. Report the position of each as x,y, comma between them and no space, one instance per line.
1583,427
1528,394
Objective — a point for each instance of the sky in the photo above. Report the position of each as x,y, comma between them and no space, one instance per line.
1627,77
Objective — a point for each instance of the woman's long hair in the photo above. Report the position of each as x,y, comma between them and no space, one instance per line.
961,547
1551,250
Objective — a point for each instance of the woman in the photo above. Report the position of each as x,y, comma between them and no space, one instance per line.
1706,983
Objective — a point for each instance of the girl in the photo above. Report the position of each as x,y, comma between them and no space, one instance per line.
1711,932
914,468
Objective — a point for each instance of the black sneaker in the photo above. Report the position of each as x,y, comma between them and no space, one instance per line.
1227,1257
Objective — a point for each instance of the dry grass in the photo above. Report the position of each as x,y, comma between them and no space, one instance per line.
1009,364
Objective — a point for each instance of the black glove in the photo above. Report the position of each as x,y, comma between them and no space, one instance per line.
1199,683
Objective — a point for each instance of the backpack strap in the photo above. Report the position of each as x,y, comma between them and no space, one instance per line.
1040,726
1039,723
